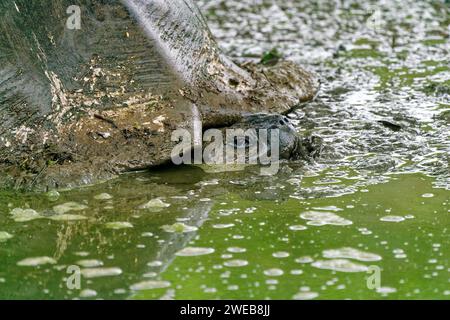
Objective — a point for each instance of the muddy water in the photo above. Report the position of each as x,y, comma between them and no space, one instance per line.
368,218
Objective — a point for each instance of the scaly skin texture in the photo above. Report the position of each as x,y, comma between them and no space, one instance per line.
81,106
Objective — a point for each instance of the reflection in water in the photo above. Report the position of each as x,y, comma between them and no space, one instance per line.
377,196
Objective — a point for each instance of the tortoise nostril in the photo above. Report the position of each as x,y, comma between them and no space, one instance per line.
282,122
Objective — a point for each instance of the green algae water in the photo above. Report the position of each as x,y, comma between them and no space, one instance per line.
368,218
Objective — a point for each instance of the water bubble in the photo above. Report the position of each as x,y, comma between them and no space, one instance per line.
296,272
223,226
392,219
297,228
329,208
88,293
351,253
101,272
150,275
321,218
36,261
236,250
118,225
103,196
307,295
154,205
194,251
428,195
91,263
24,215
280,254
273,272
155,264
53,195
235,263
150,285
341,265
68,206
4,236
179,228
67,217
386,290
304,260
147,234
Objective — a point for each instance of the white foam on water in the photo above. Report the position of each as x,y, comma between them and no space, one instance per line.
223,226
307,295
322,218
351,253
235,263
280,254
69,206
150,285
67,217
118,225
341,265
154,204
88,293
89,263
103,196
36,261
179,228
275,272
297,228
194,251
101,272
236,250
392,219
24,215
304,260
4,236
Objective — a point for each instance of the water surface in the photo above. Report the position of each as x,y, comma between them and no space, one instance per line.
375,198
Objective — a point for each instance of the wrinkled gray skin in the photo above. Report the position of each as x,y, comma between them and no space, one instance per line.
78,107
